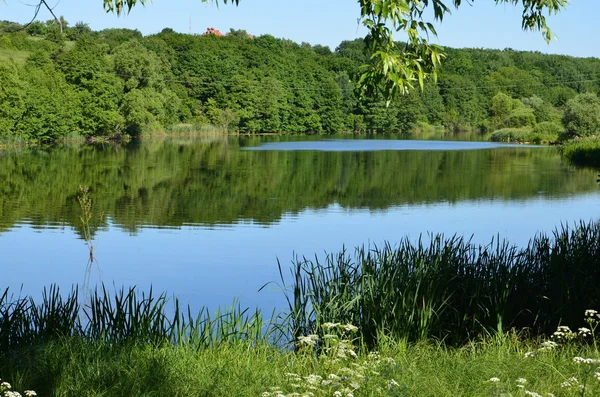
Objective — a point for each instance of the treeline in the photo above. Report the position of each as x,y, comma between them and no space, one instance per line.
79,82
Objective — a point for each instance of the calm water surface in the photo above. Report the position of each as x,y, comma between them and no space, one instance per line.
207,219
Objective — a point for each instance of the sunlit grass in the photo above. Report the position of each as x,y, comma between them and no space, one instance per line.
501,365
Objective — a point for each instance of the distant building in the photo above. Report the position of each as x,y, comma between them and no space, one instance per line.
212,31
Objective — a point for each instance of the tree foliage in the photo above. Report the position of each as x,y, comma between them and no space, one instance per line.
116,81
396,68
582,116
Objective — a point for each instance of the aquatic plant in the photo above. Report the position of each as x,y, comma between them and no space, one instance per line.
449,288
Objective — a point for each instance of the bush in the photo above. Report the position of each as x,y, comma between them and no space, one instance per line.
584,152
520,117
509,134
547,128
542,133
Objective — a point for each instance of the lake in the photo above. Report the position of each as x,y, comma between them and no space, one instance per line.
206,219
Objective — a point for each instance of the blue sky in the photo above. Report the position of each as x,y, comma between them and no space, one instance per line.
328,22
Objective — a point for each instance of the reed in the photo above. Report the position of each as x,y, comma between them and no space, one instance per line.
449,288
123,317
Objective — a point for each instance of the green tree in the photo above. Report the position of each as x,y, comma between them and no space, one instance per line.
582,116
12,101
394,69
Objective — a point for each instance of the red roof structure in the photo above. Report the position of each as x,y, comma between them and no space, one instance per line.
212,31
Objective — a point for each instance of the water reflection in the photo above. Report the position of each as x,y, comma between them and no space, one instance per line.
177,182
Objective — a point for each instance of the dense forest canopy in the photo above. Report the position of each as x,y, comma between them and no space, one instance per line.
88,83
395,69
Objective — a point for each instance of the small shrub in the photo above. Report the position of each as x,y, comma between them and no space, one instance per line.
541,133
509,135
548,128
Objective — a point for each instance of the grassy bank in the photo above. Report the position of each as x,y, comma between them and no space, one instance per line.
498,366
583,152
444,317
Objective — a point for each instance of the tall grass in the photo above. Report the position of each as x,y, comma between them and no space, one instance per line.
123,317
449,288
524,135
583,152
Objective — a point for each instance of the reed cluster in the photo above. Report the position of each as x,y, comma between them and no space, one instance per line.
449,288
122,317
582,152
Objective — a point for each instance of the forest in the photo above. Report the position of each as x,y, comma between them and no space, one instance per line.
102,84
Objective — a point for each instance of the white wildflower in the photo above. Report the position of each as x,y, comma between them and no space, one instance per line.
590,313
350,328
330,325
313,379
337,393
309,340
5,385
581,360
584,331
532,393
521,381
529,354
563,328
549,345
494,380
265,394
29,393
332,376
393,383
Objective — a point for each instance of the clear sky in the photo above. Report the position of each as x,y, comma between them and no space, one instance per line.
328,22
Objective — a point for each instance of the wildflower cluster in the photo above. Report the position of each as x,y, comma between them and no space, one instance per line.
589,368
344,372
6,391
564,335
519,385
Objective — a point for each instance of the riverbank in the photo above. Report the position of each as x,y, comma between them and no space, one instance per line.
502,365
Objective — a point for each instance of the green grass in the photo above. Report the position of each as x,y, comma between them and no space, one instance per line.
70,367
523,135
583,152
